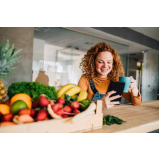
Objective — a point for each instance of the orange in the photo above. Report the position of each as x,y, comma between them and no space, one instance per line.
21,96
4,109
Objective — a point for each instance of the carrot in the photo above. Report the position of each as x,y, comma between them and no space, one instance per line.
7,124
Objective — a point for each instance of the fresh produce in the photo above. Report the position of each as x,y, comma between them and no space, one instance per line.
82,96
33,89
56,107
75,105
72,91
51,102
35,104
52,114
109,120
19,119
8,58
60,112
60,100
88,111
84,104
68,99
7,124
7,117
75,96
25,118
17,106
23,97
42,115
24,111
64,116
76,111
0,116
33,113
63,89
43,101
67,109
4,109
7,102
3,92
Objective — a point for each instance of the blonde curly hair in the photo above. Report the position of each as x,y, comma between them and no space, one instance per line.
88,62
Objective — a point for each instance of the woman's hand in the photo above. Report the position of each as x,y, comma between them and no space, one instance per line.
133,87
106,100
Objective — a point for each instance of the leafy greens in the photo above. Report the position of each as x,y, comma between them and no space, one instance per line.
111,120
33,89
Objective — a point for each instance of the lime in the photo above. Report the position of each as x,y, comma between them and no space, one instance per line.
84,104
17,106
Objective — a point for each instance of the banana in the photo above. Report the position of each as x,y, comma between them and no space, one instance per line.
63,89
82,95
72,91
75,96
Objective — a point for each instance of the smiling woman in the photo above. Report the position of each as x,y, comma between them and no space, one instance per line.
104,63
100,66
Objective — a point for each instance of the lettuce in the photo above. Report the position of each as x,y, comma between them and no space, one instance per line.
33,89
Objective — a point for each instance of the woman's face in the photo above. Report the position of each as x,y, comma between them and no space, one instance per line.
104,63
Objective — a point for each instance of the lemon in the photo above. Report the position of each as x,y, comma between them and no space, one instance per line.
17,106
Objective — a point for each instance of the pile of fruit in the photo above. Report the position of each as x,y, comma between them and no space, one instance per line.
20,109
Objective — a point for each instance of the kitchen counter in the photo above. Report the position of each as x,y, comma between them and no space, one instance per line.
139,119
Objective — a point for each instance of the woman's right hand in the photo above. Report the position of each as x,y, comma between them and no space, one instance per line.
106,100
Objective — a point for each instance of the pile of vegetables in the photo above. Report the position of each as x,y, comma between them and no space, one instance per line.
33,89
109,120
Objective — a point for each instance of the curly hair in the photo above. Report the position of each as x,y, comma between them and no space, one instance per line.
88,62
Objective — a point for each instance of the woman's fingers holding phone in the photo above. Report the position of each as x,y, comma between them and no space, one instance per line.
115,102
114,97
110,93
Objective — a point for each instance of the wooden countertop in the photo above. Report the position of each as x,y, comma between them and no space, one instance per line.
139,119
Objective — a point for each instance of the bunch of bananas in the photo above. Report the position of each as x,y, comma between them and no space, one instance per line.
72,90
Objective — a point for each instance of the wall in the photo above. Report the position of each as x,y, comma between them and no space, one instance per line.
23,38
150,77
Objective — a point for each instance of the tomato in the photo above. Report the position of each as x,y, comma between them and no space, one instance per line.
75,105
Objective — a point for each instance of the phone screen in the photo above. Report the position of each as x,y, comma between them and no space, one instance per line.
118,87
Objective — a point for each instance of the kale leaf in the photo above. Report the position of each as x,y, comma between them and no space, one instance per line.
109,120
33,89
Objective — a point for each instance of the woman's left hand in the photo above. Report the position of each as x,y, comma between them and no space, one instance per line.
133,87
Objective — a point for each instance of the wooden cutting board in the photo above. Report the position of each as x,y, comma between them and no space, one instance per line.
139,119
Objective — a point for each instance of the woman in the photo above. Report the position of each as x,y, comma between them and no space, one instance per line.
101,65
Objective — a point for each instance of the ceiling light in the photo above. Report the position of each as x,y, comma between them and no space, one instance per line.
88,43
